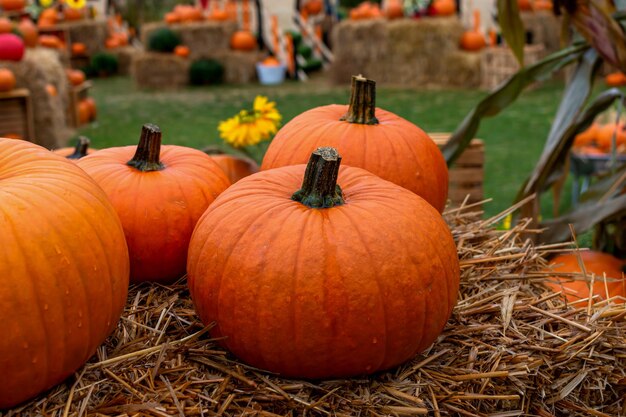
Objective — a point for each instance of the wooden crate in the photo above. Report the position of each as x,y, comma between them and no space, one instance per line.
467,174
16,114
77,93
498,63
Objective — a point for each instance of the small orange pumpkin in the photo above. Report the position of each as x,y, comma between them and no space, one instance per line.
270,61
50,41
90,103
604,136
444,7
314,7
243,40
219,15
524,5
84,112
75,77
235,167
79,49
157,190
473,40
5,25
543,5
12,5
50,15
71,14
182,51
7,80
615,79
171,18
29,32
51,90
597,263
588,136
393,9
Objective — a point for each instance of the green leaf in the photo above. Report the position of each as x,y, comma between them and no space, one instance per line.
582,219
564,126
501,98
607,185
512,28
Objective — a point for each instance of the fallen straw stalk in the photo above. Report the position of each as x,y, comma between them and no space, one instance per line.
512,347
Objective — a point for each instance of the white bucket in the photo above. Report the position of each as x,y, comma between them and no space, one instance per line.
270,74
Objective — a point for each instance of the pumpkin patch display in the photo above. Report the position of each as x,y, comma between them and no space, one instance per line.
64,270
367,137
7,80
597,263
312,271
159,193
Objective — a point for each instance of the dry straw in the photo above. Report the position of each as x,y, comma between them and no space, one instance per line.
511,348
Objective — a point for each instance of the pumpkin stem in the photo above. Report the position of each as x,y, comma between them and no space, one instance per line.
362,102
148,150
80,150
319,186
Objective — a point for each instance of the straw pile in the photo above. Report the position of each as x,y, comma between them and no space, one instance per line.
125,56
545,28
511,348
404,52
92,33
153,70
207,39
239,66
41,66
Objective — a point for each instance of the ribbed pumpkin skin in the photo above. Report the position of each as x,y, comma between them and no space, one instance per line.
64,268
158,209
395,150
596,263
319,293
236,167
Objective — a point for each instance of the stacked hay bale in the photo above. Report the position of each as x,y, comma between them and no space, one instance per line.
405,51
125,56
91,33
545,28
38,68
154,70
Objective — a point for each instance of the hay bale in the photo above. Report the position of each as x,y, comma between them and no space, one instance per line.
207,39
160,71
240,67
461,69
545,28
37,69
402,52
125,56
92,33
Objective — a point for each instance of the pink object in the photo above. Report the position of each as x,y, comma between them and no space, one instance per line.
11,47
204,4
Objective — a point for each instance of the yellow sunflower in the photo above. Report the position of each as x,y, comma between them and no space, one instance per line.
251,127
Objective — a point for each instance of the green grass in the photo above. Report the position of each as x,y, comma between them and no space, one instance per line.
514,139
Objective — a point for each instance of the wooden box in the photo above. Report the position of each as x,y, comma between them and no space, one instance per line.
467,174
77,93
498,63
16,115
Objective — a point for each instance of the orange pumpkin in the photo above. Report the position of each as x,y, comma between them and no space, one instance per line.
597,263
7,80
524,5
91,105
243,40
75,77
473,40
397,150
159,194
314,7
64,258
5,25
29,32
588,136
604,136
313,293
187,13
71,14
84,112
235,167
79,49
182,51
50,41
51,15
78,151
444,7
270,61
394,9
219,15
122,38
12,5
543,5
171,18
51,90
615,79
112,43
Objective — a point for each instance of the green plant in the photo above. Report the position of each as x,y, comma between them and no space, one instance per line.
104,64
163,40
305,51
206,71
603,206
313,64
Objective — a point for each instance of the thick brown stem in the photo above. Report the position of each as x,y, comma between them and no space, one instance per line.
148,150
319,186
362,102
81,148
